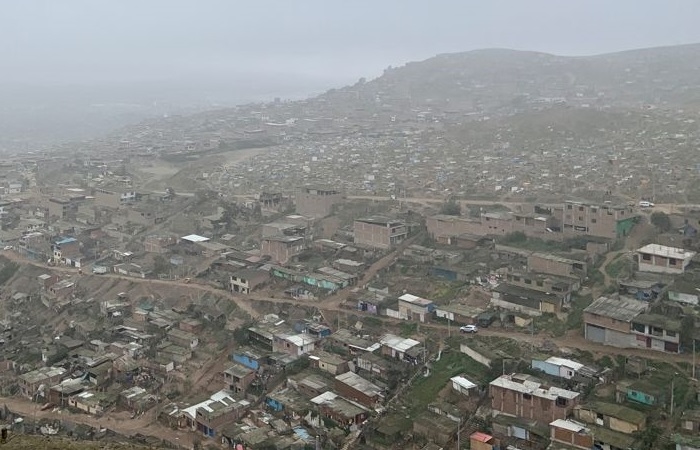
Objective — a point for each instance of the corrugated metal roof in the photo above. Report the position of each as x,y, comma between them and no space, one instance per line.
622,308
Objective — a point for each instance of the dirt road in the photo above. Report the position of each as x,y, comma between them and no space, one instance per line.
145,424
333,303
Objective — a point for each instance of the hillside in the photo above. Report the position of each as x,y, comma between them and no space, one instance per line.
494,78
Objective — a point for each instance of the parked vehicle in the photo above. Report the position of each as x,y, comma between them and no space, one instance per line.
468,329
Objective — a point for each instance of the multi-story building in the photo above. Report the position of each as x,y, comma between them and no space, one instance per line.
62,208
662,259
246,280
29,383
606,221
238,378
317,202
115,198
379,232
281,249
609,320
525,398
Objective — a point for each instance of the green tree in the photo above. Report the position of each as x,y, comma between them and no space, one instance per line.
160,264
451,207
661,221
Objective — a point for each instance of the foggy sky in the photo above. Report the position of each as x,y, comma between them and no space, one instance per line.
331,42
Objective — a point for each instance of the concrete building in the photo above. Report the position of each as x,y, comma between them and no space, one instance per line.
661,259
522,397
238,378
656,332
608,320
246,280
281,249
30,382
114,198
317,202
412,307
604,221
62,208
379,232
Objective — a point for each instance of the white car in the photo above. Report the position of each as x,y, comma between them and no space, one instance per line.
468,329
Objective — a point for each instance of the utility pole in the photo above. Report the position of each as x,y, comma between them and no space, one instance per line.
694,358
459,430
673,381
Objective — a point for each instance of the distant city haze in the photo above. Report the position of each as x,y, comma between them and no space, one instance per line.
74,68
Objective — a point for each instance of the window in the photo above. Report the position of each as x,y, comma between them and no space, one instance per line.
594,220
670,333
528,281
516,278
580,218
569,207
672,261
561,401
594,210
527,396
638,327
539,283
646,257
580,208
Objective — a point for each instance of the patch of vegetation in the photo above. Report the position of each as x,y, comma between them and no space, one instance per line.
661,221
520,240
425,389
550,322
26,442
408,329
619,267
451,207
7,272
574,320
372,322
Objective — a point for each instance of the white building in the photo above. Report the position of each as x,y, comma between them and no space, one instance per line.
662,259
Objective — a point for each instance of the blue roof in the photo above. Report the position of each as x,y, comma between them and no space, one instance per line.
66,241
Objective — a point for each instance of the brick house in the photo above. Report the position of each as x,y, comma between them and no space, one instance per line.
317,202
354,387
604,221
572,434
281,249
238,378
30,382
662,259
339,409
379,232
521,397
556,265
245,281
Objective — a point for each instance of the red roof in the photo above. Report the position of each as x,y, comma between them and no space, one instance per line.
481,437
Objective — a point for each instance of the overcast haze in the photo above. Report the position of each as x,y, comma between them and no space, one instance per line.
78,68
81,41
